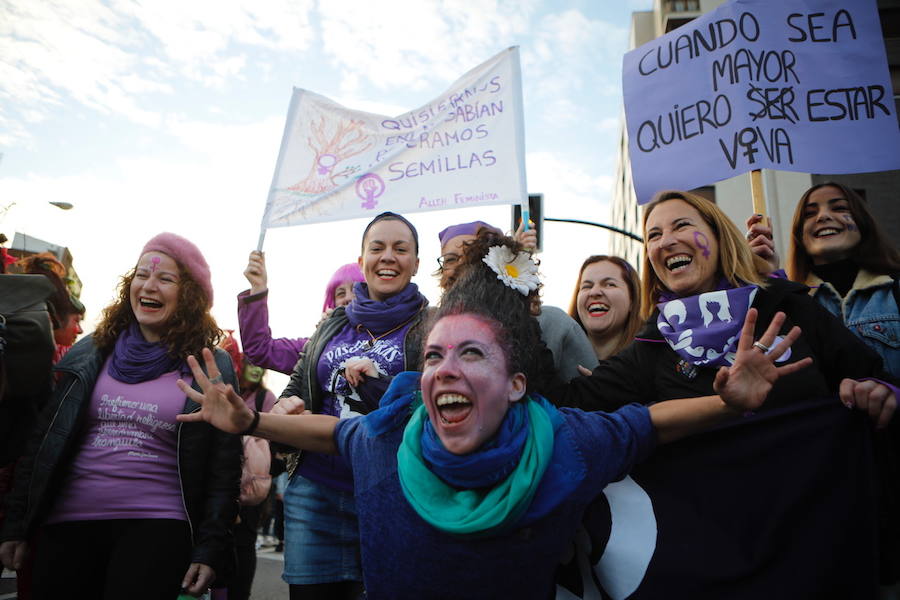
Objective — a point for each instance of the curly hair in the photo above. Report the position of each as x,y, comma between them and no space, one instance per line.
873,252
737,263
632,284
190,329
477,291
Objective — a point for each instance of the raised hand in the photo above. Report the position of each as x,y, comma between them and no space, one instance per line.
256,272
745,384
220,405
761,241
528,239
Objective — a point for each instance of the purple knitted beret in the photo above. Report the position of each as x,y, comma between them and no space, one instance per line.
465,229
185,254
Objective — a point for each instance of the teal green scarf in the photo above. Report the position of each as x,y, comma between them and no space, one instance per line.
475,511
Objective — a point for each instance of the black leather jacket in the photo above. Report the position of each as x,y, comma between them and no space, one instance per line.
209,461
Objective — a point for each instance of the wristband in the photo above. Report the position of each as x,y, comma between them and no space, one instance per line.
253,424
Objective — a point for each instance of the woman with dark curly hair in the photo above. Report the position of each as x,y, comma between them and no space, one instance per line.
469,484
120,497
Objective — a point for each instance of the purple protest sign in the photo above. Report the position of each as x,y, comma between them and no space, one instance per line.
761,85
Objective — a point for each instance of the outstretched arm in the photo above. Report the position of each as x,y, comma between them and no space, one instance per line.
741,387
224,409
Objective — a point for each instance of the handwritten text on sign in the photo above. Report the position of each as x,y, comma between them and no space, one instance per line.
758,84
462,149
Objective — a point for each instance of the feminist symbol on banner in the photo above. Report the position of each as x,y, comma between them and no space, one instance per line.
369,187
326,163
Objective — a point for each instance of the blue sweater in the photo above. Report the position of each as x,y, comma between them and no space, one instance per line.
405,557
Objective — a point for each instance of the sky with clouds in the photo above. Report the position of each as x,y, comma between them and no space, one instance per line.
168,115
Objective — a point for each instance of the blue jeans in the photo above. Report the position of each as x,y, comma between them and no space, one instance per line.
321,534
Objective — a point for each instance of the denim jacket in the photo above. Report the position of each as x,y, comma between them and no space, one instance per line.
869,310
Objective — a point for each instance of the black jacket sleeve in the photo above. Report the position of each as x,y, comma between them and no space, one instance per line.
625,378
221,477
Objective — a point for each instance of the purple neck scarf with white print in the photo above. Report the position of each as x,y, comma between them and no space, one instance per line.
704,329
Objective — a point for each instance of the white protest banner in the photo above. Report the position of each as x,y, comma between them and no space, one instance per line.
463,149
755,84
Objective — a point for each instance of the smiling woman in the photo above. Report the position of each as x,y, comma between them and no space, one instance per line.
113,476
344,369
700,283
605,303
852,269
467,483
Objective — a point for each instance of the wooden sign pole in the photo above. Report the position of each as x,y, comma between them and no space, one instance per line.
756,189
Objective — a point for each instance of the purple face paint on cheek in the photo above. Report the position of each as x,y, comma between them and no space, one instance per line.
702,242
155,260
851,226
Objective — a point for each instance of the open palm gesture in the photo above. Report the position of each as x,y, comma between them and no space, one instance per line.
220,405
745,384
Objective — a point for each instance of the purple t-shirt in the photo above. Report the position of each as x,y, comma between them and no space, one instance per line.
127,464
341,400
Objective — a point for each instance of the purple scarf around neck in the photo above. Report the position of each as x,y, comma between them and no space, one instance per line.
704,329
135,360
379,317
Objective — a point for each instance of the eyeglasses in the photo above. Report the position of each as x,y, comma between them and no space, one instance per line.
448,260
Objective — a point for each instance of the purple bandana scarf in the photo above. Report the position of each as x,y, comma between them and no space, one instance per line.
704,329
135,360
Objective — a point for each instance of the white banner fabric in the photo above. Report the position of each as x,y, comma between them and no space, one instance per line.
465,148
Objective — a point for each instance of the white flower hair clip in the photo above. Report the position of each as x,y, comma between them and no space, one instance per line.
516,271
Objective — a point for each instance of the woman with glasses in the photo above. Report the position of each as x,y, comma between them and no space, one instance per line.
561,334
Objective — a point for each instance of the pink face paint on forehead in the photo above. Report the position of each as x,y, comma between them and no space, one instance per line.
155,263
702,242
449,346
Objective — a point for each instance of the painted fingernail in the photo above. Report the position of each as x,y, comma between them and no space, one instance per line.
849,404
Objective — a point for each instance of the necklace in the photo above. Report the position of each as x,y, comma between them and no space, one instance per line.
371,343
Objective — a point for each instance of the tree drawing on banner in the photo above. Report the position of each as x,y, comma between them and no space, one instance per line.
330,150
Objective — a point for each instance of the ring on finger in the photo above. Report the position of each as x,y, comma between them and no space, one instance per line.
749,235
216,379
761,346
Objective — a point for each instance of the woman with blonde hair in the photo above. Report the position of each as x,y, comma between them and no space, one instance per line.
758,494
